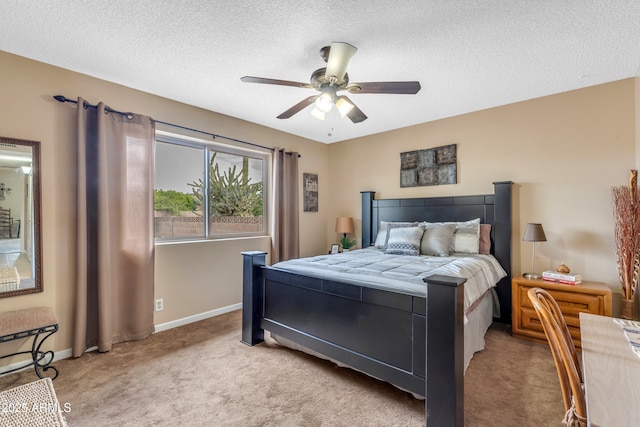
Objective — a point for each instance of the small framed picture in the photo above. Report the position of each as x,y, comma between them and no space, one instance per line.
335,248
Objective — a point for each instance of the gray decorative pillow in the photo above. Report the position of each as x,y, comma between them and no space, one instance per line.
466,237
383,232
404,241
437,239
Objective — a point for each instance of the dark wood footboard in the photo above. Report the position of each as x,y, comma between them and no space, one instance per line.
412,342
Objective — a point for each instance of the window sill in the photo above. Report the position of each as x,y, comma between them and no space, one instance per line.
208,240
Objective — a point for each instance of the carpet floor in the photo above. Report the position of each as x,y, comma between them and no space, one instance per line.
202,375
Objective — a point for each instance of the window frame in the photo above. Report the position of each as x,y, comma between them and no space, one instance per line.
213,146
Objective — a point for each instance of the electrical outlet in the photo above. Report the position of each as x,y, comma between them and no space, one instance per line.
159,304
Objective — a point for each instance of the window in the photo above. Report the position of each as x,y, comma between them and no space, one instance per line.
207,190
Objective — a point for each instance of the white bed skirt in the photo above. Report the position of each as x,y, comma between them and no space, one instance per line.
475,329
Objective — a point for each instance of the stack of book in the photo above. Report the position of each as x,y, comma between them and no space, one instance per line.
554,276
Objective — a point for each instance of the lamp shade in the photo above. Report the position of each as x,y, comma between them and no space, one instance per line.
324,102
343,106
534,233
317,114
344,225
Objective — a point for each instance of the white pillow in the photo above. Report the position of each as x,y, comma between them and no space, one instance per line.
404,241
383,232
466,238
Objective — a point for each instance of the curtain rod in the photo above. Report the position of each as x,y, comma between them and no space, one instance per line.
62,98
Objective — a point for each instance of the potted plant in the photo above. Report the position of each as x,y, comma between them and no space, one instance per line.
347,243
626,215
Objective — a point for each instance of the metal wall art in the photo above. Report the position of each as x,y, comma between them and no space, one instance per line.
433,166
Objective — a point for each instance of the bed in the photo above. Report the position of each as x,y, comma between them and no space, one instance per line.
410,338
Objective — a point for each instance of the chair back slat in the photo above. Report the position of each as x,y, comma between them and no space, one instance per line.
562,349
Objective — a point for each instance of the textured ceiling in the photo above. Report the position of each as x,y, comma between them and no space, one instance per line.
467,55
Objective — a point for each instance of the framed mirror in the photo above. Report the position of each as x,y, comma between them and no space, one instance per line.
20,236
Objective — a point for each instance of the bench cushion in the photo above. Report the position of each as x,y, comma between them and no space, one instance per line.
26,319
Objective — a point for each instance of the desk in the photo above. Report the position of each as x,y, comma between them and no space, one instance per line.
611,373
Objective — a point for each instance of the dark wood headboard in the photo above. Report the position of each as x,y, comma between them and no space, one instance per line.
494,209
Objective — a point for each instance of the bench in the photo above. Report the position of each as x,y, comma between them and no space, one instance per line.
39,323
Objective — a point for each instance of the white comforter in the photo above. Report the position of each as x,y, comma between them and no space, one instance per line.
373,268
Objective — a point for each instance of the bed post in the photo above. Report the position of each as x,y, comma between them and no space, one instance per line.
502,244
444,394
367,220
252,296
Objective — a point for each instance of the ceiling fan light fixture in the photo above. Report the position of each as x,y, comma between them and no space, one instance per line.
332,79
323,103
344,106
317,113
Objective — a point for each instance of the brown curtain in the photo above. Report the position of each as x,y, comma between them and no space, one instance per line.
285,225
115,251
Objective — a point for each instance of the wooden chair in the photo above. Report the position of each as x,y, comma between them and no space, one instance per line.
564,355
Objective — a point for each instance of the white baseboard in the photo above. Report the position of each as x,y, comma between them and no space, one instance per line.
59,355
197,317
66,353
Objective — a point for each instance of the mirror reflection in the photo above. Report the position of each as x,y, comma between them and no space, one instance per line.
19,217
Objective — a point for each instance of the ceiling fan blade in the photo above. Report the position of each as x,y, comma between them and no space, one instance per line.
339,56
355,115
298,107
250,79
409,88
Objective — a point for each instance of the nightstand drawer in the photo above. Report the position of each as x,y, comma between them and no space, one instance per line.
531,326
588,297
571,301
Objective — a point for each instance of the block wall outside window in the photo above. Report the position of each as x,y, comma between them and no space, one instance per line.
198,184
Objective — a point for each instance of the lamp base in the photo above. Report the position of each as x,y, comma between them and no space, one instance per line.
532,276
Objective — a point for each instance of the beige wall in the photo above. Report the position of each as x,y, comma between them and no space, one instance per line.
637,111
563,152
191,278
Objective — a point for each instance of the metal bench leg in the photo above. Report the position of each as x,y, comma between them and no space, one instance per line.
40,362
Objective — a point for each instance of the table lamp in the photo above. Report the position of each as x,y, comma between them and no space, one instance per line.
344,225
533,233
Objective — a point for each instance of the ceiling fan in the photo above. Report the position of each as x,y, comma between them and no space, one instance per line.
332,79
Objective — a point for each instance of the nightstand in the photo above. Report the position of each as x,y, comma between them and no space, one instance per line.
587,297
